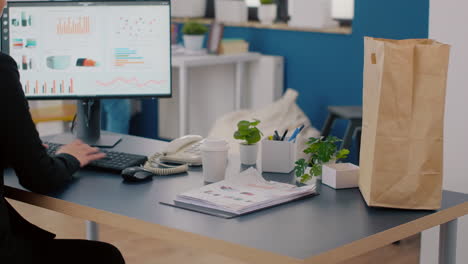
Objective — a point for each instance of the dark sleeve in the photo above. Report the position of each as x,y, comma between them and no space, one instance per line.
36,170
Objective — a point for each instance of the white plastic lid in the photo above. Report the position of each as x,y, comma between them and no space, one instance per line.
214,144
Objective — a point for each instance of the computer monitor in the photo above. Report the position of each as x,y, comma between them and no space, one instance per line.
89,50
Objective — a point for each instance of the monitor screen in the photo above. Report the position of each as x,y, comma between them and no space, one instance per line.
88,49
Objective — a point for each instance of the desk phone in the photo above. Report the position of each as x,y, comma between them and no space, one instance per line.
184,150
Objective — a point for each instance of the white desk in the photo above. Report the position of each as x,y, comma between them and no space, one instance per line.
184,62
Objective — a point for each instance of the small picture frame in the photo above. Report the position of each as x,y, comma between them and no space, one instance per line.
215,37
174,33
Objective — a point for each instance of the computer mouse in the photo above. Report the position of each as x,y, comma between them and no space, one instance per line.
136,174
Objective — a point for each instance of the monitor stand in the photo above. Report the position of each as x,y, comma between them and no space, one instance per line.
88,127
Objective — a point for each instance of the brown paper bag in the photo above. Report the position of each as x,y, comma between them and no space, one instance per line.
403,119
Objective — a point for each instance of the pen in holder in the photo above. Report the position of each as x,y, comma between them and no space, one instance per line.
278,156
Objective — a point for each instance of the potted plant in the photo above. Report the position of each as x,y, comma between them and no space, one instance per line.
267,12
251,135
194,34
321,151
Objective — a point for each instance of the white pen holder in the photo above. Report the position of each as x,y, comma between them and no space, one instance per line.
278,156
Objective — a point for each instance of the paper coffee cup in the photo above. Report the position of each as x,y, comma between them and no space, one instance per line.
214,157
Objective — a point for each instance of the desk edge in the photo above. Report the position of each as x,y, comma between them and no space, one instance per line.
190,240
236,251
379,240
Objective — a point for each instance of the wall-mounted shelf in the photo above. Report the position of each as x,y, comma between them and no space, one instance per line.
277,26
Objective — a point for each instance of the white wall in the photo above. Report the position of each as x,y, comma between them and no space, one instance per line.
447,23
211,94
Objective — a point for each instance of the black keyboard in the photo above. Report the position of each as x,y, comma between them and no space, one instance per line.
114,161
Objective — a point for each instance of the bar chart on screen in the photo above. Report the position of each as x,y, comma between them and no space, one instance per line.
80,25
127,57
53,87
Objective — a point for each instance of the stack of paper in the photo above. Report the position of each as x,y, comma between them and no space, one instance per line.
246,192
233,46
179,50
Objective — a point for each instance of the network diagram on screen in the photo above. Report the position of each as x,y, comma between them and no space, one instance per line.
91,50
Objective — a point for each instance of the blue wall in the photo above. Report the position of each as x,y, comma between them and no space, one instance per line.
326,69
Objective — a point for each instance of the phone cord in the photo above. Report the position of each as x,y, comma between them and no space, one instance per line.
154,161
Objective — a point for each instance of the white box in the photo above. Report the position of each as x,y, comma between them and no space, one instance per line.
340,175
278,156
229,11
188,8
310,14
342,9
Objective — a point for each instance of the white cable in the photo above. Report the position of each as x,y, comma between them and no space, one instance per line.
153,162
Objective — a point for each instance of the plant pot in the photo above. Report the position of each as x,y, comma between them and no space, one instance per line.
309,182
319,177
248,154
188,8
193,42
267,14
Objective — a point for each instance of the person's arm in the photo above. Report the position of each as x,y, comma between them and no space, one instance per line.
36,170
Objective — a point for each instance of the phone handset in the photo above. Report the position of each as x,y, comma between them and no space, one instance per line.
184,150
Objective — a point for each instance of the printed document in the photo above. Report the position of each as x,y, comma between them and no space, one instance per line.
246,192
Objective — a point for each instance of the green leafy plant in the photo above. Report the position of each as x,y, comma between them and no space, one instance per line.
320,150
248,132
267,2
194,28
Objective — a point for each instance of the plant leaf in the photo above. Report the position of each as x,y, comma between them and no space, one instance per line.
243,125
342,154
255,122
237,135
244,132
300,168
254,136
313,140
320,151
305,178
316,169
194,28
248,131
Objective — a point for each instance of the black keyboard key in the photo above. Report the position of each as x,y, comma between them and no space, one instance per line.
114,161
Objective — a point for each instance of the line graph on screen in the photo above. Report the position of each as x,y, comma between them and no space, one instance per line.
131,82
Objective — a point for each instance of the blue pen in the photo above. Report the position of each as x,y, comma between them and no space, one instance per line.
296,132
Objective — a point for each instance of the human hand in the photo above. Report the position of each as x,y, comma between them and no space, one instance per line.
84,153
